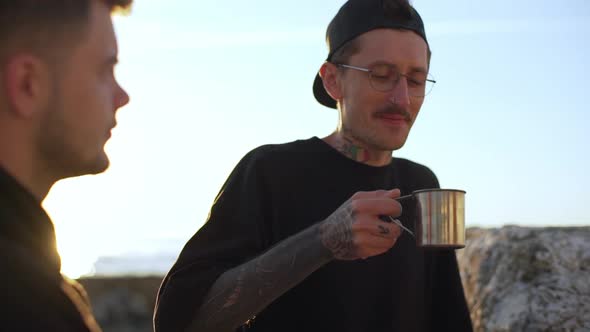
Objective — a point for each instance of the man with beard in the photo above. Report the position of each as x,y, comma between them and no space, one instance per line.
295,240
58,99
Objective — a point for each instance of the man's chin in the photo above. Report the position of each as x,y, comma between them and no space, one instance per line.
100,166
95,167
396,144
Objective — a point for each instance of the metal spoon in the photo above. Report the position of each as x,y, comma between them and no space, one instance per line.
397,222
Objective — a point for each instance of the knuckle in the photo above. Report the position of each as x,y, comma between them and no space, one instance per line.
357,195
398,232
355,205
361,226
396,208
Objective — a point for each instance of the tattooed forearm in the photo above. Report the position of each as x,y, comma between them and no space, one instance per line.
242,292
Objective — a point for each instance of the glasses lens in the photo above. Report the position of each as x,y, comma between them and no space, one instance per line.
383,77
429,85
419,84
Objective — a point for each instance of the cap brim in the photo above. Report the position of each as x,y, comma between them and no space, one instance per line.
320,93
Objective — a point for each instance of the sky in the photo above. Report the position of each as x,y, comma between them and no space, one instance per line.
209,81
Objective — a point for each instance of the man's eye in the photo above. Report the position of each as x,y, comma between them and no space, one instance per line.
415,82
383,74
382,77
382,71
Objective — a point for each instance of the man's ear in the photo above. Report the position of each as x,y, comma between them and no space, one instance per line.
26,80
331,80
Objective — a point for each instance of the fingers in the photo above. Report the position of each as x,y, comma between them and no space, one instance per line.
354,230
375,244
388,230
377,228
378,202
393,193
377,206
372,238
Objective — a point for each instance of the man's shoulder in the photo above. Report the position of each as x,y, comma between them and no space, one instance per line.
22,271
300,145
282,152
32,297
411,166
421,174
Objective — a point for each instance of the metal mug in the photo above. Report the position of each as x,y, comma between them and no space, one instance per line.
439,217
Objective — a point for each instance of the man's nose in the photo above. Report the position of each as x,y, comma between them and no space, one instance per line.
121,97
400,94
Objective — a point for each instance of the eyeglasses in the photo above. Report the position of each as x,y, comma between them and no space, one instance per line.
384,77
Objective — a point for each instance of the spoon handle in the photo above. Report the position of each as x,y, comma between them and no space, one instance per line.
403,198
397,222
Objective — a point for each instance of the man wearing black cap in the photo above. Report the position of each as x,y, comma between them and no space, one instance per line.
295,239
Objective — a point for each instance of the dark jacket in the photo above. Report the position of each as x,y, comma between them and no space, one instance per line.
33,294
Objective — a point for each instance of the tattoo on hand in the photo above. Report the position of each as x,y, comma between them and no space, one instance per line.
383,230
336,233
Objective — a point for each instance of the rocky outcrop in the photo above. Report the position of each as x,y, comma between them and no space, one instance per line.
123,304
515,279
527,279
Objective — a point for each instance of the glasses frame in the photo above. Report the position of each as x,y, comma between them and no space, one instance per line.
396,81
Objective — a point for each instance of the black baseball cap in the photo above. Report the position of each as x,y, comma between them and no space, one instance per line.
356,17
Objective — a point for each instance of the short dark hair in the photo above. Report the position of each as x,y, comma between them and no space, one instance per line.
47,25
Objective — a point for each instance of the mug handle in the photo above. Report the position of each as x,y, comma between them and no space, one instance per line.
401,199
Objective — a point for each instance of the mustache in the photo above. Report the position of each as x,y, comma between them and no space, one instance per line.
393,110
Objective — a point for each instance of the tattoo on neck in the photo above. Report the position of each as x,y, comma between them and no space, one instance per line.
349,149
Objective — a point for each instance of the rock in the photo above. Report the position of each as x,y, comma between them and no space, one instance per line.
527,279
123,304
515,279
